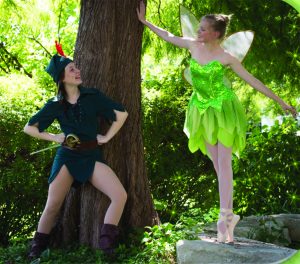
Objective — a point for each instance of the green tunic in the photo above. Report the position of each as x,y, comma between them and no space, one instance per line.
80,119
214,112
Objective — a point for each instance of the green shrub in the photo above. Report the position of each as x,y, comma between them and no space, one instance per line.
267,174
23,181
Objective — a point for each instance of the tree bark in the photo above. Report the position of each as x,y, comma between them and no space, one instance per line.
108,53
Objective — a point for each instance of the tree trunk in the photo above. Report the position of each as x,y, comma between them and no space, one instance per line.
108,53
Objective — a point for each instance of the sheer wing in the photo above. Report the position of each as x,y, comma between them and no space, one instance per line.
189,23
294,3
187,75
189,28
238,43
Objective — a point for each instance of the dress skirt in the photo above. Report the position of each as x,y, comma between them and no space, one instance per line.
226,125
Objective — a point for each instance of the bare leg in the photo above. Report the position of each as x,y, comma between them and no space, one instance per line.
106,181
221,225
221,158
226,191
58,190
225,176
213,151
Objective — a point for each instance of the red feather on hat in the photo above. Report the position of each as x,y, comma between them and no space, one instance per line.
59,49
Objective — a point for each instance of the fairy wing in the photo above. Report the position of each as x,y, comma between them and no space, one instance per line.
238,43
189,28
294,3
187,75
189,23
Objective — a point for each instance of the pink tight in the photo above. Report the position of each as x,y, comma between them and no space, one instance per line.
221,157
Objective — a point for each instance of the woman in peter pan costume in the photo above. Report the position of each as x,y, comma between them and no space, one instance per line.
79,158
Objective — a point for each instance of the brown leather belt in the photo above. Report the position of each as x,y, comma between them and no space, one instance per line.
82,145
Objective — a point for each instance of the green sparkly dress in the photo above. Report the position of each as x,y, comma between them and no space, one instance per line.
214,112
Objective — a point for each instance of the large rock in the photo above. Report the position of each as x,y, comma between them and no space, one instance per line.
208,251
292,223
281,229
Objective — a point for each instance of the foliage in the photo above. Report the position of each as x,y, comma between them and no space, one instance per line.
23,181
267,174
154,245
27,40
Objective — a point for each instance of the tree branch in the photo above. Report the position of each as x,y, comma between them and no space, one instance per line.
159,16
34,39
15,60
59,18
3,69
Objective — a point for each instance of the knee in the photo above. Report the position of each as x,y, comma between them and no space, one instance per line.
123,196
120,197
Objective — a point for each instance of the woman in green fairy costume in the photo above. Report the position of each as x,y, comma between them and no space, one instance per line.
79,158
215,120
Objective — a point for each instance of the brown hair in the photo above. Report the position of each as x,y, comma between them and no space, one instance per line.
218,22
61,91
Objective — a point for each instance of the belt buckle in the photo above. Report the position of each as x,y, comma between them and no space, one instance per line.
72,141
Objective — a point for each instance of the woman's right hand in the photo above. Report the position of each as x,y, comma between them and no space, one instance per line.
59,138
141,11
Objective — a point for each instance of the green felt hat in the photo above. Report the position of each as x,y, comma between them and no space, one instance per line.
56,66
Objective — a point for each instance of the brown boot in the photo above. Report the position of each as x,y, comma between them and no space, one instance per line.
108,238
39,244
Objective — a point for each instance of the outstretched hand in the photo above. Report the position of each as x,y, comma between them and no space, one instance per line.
141,11
287,108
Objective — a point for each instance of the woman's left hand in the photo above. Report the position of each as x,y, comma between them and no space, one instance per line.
288,108
102,139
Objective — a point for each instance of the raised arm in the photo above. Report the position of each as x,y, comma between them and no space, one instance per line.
167,36
239,69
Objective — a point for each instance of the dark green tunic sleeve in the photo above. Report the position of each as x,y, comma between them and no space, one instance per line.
105,107
45,116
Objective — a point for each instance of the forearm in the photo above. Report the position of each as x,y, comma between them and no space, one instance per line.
164,34
34,132
238,68
115,127
167,36
259,86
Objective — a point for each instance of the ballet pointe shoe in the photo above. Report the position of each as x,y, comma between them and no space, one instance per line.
231,221
222,234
